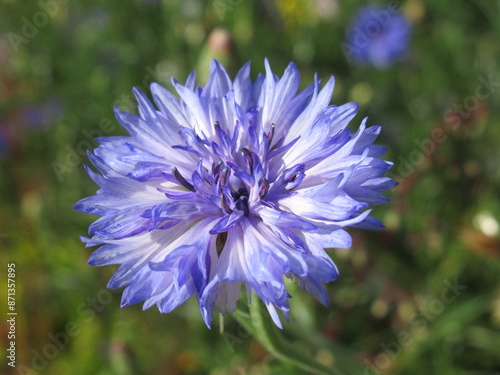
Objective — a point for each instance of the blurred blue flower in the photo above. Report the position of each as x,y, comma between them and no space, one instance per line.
40,116
377,36
4,140
237,183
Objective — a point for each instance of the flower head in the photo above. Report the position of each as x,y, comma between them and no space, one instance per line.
378,36
237,183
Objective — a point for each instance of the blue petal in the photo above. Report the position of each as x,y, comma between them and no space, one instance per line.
125,223
227,222
284,219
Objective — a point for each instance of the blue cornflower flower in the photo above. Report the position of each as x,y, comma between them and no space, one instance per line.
377,36
237,183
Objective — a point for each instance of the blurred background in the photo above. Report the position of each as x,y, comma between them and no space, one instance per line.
422,296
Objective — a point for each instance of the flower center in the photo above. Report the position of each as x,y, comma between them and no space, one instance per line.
240,198
237,177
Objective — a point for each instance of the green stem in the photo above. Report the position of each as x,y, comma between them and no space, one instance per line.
266,333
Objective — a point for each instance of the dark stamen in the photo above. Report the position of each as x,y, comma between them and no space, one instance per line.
243,191
293,178
270,135
216,167
264,187
224,204
242,205
217,125
224,176
249,157
181,180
